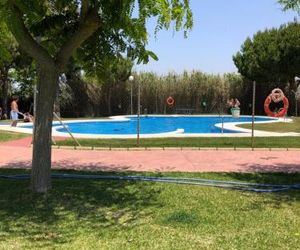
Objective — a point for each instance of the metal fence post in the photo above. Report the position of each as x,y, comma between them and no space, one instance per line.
253,114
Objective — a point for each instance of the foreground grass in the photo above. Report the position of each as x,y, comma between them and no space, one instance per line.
80,214
8,136
283,127
224,142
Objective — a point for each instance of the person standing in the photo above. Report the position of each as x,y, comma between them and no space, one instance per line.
14,111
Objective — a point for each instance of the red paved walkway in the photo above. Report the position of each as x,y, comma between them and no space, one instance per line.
19,156
24,142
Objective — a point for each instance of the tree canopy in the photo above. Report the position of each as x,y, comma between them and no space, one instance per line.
54,31
112,26
290,4
9,55
271,55
7,45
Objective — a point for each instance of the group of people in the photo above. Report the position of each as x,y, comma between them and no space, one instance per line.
14,113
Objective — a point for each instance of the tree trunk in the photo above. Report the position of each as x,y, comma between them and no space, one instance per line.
89,22
5,88
41,159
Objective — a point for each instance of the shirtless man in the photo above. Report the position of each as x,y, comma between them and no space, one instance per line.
14,111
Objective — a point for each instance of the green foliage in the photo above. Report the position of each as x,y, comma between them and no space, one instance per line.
9,136
113,88
7,45
271,55
122,29
190,90
52,31
290,4
24,77
272,59
204,93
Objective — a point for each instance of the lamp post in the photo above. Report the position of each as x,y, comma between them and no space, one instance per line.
131,78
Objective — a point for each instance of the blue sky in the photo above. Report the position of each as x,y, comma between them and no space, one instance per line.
220,28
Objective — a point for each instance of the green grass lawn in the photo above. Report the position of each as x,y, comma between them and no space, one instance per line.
79,214
283,127
8,136
225,142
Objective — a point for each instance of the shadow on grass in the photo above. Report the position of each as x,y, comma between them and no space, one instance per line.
277,199
70,207
76,207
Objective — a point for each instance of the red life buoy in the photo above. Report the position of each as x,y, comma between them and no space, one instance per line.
281,113
170,101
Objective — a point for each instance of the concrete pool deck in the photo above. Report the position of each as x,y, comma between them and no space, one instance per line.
17,154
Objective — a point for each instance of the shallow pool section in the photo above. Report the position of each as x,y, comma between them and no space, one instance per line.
158,125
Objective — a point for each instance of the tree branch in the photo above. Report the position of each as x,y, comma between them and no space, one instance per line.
24,38
84,9
86,28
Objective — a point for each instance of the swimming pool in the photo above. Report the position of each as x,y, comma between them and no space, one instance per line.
158,126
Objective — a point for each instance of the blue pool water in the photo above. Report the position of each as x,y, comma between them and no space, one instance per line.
155,125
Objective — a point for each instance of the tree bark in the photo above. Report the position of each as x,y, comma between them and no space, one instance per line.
41,158
49,68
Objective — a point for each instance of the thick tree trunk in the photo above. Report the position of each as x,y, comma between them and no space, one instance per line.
41,159
89,22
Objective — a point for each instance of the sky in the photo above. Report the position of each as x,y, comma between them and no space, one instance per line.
220,28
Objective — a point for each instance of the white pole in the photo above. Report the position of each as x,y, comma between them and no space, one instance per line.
131,107
131,78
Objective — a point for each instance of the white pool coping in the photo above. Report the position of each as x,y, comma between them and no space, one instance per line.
179,133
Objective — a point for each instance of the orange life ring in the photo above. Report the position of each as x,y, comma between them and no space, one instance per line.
281,113
170,101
